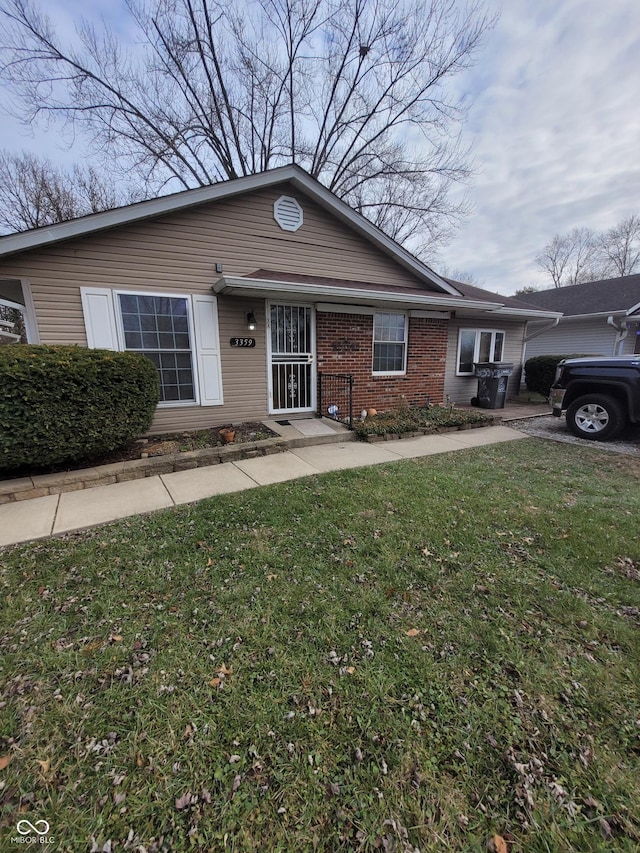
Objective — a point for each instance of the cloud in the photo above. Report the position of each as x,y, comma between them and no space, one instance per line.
555,128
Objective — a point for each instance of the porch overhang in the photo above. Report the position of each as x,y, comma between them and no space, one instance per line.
350,293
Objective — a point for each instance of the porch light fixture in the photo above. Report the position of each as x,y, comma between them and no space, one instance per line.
251,321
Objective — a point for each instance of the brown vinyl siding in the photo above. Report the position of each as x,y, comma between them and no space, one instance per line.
178,253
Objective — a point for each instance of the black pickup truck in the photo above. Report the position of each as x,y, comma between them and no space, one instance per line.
600,395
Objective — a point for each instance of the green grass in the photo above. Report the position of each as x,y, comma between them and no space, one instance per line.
422,655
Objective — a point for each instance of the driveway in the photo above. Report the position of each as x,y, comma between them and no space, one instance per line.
547,426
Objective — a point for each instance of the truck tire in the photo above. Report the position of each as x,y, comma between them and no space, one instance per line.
596,417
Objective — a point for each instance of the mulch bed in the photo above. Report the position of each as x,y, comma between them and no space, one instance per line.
157,445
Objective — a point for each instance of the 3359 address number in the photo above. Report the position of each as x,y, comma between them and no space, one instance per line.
242,342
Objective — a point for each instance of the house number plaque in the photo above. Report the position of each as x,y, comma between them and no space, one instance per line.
242,342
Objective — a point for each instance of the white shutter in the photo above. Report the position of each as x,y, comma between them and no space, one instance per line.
205,321
99,318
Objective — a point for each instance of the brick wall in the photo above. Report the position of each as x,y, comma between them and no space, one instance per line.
345,345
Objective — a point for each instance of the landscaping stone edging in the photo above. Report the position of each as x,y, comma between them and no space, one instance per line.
40,485
395,436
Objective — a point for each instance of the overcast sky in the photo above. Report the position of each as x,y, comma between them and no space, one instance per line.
555,130
554,125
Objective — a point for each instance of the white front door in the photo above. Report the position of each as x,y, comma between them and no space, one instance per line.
292,375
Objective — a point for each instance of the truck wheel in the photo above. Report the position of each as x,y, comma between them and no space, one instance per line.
596,417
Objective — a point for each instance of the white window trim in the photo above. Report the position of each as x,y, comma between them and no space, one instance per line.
476,347
28,309
104,328
402,372
164,404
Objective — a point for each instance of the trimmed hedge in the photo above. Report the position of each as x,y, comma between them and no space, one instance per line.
63,404
540,372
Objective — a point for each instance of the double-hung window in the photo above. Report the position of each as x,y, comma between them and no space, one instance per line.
159,327
390,343
479,346
177,332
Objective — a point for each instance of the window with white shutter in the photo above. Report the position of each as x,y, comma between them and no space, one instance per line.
177,332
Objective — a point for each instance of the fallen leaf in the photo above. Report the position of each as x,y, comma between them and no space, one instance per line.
184,801
412,632
499,844
4,760
91,647
271,577
116,638
45,766
605,828
224,671
215,682
351,670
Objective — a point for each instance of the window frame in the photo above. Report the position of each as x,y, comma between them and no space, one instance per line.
163,404
404,343
27,308
476,347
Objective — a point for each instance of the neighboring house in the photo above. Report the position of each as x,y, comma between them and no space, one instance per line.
599,318
243,291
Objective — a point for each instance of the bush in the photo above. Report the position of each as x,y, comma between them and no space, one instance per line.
62,404
540,372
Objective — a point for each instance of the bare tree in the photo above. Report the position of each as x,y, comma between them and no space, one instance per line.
456,274
571,258
585,255
619,247
33,192
355,91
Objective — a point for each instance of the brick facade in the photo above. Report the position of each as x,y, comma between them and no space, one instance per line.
344,344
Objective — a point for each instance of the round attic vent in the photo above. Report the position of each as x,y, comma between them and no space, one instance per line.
288,213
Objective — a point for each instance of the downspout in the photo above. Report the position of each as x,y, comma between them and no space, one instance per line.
533,335
622,330
548,328
530,337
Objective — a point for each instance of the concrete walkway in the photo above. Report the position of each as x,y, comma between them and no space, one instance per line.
52,515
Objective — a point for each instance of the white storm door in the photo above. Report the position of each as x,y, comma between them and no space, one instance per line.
292,375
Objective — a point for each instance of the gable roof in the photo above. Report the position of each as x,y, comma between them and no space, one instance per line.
607,296
441,291
292,174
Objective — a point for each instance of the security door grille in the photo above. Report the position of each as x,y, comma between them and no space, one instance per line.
292,367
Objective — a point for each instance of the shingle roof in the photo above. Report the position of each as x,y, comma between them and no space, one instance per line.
473,292
614,295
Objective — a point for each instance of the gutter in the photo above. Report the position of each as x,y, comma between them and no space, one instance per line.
622,330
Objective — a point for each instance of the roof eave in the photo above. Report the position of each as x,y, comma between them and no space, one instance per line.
265,287
86,225
525,313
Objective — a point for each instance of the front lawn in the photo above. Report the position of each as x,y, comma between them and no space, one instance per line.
433,655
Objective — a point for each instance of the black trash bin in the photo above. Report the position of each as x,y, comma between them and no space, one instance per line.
493,377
